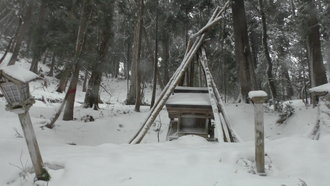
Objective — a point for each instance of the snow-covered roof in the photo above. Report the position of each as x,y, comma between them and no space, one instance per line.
321,88
18,73
190,88
200,99
257,93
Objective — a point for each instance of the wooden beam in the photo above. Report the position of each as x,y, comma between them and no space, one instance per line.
221,130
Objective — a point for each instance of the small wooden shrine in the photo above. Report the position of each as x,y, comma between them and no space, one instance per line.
190,113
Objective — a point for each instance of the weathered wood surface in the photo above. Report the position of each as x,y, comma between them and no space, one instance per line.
32,144
259,134
220,131
226,126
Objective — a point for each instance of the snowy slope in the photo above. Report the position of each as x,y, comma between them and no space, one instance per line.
78,153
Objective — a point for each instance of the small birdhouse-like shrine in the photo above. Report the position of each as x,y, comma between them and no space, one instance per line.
190,111
14,84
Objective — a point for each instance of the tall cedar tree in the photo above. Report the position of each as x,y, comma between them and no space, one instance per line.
92,94
242,49
314,46
138,60
134,94
68,110
266,51
38,37
21,33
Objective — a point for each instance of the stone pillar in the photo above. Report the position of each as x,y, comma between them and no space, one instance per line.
258,98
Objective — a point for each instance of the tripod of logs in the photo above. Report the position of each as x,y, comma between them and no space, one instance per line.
224,129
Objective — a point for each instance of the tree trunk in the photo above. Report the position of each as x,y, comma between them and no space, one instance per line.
68,111
65,76
84,89
153,97
138,70
92,94
242,49
192,70
265,46
131,96
21,34
314,46
165,57
51,71
7,50
293,8
160,82
285,71
128,59
38,47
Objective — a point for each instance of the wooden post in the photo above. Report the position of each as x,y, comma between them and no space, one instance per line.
31,141
258,98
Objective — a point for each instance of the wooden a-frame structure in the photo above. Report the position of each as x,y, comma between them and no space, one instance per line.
223,128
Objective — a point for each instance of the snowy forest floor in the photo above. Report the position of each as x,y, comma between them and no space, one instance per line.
79,153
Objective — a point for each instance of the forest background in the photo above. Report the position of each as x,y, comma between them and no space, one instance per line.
282,47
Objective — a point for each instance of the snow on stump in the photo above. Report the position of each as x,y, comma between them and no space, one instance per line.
259,97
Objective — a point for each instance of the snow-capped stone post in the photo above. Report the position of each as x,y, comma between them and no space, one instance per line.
15,87
259,97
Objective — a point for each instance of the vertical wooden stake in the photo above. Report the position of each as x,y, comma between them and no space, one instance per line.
31,141
258,98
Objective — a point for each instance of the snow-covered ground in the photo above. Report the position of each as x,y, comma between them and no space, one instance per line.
78,153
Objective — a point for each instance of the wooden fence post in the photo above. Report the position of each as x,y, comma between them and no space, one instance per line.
258,98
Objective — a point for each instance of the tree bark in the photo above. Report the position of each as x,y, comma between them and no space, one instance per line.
38,47
51,71
138,70
314,46
153,97
84,89
69,106
192,70
270,77
92,94
21,34
68,110
242,49
7,50
159,78
165,57
285,71
65,76
131,96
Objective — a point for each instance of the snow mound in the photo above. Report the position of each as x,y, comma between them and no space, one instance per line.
191,140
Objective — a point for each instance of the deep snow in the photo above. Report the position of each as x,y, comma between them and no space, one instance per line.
78,153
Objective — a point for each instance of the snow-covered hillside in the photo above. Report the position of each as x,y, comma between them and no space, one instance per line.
79,153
